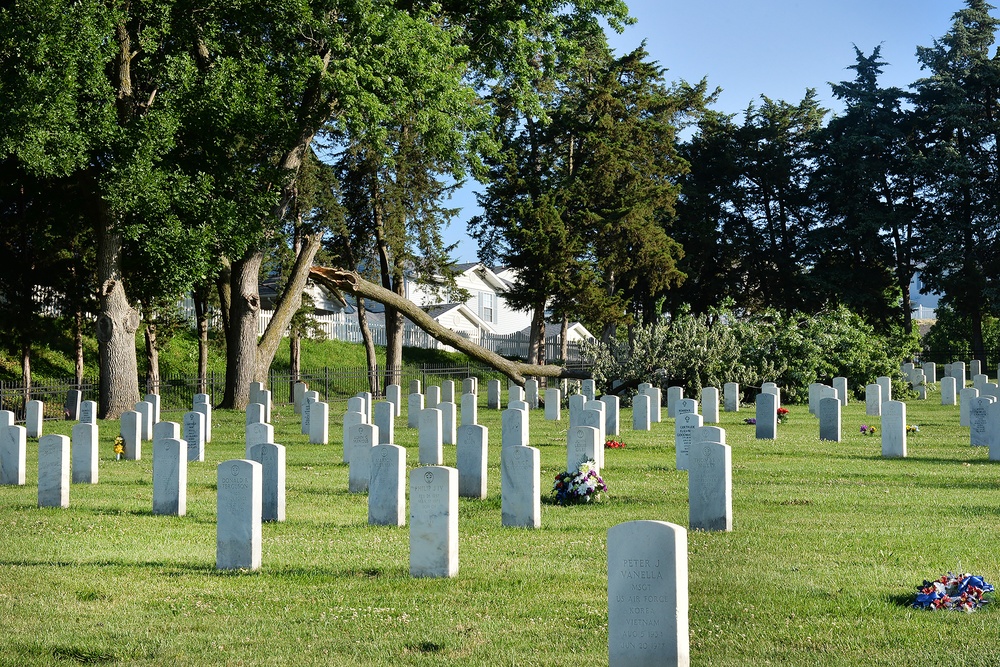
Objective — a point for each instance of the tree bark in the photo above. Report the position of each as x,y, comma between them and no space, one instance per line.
26,370
563,342
223,283
78,348
200,298
370,356
117,323
152,359
350,281
241,341
294,362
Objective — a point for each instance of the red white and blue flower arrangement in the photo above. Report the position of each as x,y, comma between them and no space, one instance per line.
582,485
957,592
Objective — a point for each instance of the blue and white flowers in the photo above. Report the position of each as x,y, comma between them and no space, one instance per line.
583,485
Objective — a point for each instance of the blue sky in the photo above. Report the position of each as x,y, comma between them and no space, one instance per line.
777,48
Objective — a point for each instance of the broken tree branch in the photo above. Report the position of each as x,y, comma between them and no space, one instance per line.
350,281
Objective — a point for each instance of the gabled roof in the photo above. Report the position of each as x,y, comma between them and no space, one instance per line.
556,329
441,309
484,272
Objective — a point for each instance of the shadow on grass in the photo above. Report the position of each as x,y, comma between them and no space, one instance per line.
902,599
168,567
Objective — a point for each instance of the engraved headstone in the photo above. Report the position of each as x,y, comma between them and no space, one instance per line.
430,449
170,476
493,398
581,446
975,367
829,419
34,413
433,522
72,404
414,387
513,428
515,394
130,431
239,502
710,405
655,405
357,404
685,406
894,429
271,458
205,409
531,393
255,414
394,394
351,419
873,400
163,430
886,384
589,389
433,397
674,396
319,423
965,398
84,453
194,435
979,381
414,406
385,420
731,397
154,400
840,384
648,595
53,471
88,412
576,403
368,399
520,487
710,486
640,412
767,417
471,459
930,371
979,422
145,410
299,390
685,427
449,422
470,409
815,393
13,452
470,386
595,419
612,415
363,438
949,390
387,486
257,434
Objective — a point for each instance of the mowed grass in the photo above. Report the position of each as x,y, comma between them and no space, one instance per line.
829,542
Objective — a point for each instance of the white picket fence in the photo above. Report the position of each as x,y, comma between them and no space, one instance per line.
346,328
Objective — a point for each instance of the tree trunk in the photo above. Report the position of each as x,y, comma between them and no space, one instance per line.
563,342
294,361
117,323
152,360
288,304
200,297
536,336
26,369
370,355
223,283
78,348
350,281
241,339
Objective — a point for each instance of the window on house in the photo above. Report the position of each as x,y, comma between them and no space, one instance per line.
487,307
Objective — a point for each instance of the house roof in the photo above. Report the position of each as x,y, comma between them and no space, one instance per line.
555,329
440,309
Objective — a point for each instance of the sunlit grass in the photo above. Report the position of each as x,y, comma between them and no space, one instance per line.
829,542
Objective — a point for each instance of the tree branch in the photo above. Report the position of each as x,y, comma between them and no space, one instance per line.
350,281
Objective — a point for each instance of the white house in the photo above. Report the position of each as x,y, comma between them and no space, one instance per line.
486,299
922,305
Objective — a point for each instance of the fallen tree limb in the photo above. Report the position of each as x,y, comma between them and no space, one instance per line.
350,281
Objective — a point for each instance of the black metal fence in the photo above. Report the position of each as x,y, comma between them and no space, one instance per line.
950,356
177,392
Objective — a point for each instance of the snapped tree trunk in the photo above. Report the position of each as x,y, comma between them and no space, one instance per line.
350,281
370,356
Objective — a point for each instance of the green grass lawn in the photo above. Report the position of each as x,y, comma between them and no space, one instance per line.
828,544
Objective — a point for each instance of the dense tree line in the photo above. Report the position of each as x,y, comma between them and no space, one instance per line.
160,148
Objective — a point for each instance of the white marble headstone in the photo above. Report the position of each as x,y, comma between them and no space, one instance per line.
433,522
85,445
239,503
387,486
520,487
471,460
170,476
53,471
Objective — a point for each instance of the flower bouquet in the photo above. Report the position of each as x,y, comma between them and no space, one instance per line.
867,430
614,444
119,448
912,428
582,485
958,592
782,415
752,421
